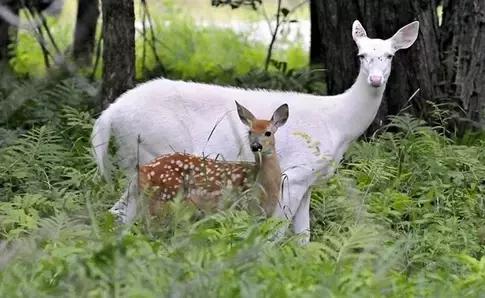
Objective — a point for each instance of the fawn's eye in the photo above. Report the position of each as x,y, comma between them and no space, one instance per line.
268,133
249,132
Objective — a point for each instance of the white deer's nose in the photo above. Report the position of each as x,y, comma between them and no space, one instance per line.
375,80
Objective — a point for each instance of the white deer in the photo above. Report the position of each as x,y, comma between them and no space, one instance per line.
184,116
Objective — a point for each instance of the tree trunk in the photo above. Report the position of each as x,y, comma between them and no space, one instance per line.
85,32
8,34
4,40
118,48
463,55
331,44
418,67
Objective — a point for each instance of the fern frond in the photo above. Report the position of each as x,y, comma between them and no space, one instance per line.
34,157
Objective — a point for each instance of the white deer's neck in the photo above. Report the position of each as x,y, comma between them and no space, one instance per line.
358,107
269,179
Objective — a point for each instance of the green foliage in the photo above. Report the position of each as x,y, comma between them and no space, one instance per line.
25,103
420,186
206,53
403,216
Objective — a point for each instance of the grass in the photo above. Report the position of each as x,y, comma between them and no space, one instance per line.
403,216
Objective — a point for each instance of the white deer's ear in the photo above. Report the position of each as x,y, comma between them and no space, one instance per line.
358,30
280,116
406,36
246,116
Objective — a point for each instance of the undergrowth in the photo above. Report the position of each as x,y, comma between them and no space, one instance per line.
402,217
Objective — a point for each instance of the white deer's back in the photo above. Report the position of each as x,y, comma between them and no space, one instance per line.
200,118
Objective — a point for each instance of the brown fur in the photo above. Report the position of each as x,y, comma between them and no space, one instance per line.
200,180
259,126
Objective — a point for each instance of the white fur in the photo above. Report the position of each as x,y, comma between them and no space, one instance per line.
376,54
176,115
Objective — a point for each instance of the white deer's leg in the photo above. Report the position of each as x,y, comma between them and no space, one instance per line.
301,220
280,213
293,200
118,208
125,208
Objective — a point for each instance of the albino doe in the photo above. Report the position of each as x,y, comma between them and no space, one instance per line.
192,117
201,180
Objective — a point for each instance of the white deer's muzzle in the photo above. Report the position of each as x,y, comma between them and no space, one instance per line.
376,80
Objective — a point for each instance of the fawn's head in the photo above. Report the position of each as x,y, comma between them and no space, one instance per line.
376,54
261,132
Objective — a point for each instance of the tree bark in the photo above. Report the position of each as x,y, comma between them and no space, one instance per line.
4,40
417,67
463,55
331,44
85,32
118,48
8,33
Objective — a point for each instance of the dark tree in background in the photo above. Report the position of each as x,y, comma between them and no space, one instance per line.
8,33
118,48
463,55
417,67
85,32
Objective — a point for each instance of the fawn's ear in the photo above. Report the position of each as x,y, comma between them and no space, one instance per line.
358,31
280,116
406,36
246,116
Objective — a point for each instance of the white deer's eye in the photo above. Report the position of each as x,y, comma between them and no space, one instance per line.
361,56
268,133
389,56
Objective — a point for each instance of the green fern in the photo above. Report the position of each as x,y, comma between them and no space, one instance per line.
33,158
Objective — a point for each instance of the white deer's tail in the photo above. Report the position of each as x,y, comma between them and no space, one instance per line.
100,144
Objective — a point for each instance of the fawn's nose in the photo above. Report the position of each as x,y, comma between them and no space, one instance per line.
256,147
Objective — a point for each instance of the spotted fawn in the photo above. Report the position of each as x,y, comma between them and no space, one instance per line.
201,180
